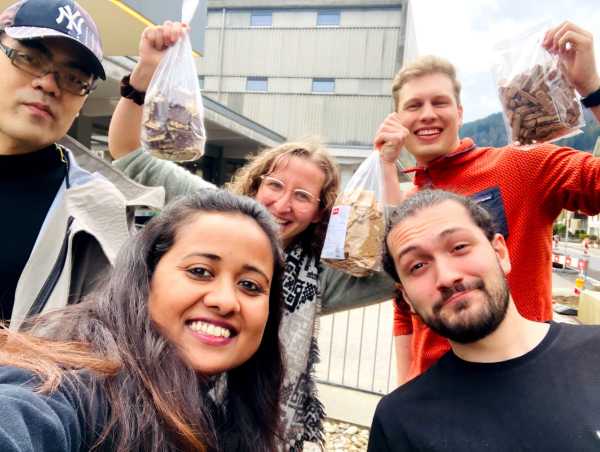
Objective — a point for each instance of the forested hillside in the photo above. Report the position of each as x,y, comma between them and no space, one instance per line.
490,131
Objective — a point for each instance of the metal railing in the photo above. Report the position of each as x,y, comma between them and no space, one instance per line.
357,349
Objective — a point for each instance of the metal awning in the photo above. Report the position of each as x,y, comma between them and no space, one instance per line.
121,22
224,127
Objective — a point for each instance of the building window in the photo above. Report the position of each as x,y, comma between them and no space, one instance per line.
328,18
323,85
256,84
261,18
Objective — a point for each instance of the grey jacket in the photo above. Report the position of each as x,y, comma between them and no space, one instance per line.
339,291
81,234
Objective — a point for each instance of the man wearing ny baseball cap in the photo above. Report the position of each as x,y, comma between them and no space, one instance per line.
64,217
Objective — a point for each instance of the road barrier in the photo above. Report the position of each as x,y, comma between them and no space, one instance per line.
576,263
579,264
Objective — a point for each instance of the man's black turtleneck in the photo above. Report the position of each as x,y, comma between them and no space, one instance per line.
28,186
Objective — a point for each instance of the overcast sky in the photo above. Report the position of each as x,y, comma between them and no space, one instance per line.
464,31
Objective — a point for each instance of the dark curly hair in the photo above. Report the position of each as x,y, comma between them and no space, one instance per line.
428,198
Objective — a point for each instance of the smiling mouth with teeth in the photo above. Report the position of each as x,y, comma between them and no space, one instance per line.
428,132
210,330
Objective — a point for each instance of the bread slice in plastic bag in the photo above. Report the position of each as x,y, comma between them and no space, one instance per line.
356,229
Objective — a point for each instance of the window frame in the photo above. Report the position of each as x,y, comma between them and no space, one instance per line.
253,79
261,13
329,13
323,80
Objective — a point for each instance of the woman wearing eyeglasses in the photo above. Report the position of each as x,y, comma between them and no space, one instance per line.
298,184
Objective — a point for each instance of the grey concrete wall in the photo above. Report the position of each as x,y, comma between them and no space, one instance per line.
362,54
312,52
348,120
290,18
300,3
302,85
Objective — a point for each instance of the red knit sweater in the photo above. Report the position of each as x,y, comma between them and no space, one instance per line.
535,182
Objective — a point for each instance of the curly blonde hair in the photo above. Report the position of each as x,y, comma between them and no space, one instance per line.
247,180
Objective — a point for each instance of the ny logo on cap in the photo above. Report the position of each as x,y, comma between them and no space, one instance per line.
74,18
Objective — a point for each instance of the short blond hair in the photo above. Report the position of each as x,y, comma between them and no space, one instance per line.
425,65
247,180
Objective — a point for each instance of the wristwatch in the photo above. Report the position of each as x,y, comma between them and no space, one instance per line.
129,92
592,99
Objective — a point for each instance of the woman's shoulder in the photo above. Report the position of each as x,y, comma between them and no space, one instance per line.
10,375
76,390
31,416
75,408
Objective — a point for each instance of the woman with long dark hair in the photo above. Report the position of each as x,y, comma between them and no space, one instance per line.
298,183
178,351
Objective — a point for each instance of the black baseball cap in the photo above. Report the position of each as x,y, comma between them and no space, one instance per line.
32,19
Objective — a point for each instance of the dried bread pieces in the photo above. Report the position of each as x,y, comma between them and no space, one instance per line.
172,131
364,233
540,105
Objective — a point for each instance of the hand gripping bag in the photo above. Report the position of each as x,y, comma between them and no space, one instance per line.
173,118
538,102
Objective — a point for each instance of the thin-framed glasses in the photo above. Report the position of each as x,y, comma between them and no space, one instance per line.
277,188
37,64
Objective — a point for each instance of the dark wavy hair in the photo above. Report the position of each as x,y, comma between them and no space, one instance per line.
424,199
152,399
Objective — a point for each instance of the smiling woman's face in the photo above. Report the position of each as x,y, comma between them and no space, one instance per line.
294,217
209,294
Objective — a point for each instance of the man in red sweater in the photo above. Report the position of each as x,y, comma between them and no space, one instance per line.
525,187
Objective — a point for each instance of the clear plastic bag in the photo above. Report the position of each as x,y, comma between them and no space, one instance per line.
356,229
538,102
173,118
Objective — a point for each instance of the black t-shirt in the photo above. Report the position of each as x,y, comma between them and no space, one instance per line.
546,400
28,185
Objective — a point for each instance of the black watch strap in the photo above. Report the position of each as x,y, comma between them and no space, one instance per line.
592,99
129,92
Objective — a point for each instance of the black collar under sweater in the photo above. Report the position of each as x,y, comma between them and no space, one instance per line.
38,162
28,186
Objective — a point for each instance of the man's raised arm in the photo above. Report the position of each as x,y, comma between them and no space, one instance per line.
126,123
